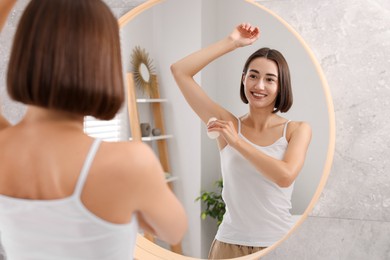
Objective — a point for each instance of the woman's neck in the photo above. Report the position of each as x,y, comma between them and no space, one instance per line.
40,115
260,119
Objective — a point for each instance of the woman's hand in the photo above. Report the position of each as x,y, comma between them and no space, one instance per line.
245,34
226,130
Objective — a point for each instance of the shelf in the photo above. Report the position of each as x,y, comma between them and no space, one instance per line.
154,138
151,100
169,177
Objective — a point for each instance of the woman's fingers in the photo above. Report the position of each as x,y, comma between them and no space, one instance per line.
256,32
245,34
225,128
248,31
219,125
215,123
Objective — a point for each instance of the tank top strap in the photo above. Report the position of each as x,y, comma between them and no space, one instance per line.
285,128
87,165
239,125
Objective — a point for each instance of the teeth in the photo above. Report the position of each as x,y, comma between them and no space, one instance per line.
258,95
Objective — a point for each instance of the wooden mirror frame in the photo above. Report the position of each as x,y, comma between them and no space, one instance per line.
148,250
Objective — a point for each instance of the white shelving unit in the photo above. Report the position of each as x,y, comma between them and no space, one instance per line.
151,100
154,138
170,178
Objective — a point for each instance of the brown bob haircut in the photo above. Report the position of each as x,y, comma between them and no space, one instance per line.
284,99
66,57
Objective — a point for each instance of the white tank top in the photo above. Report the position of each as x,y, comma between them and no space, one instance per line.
62,229
257,209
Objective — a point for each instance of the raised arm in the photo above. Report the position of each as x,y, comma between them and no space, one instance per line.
185,69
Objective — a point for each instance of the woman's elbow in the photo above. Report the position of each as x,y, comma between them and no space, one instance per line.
284,184
179,72
181,77
285,181
174,69
178,232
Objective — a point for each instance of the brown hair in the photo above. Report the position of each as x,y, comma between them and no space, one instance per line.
66,56
284,99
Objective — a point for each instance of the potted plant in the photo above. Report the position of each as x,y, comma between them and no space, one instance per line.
214,204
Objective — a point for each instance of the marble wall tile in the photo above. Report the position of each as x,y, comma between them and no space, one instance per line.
332,238
355,190
11,110
121,7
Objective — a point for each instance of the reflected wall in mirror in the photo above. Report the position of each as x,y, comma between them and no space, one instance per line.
172,29
145,74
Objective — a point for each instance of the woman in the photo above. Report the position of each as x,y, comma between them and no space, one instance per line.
261,152
63,194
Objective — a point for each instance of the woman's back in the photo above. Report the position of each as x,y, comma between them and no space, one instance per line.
41,158
62,228
62,194
43,203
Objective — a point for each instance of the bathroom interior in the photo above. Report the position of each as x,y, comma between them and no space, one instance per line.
350,39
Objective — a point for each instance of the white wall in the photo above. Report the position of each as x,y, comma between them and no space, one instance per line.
132,35
157,31
173,41
211,170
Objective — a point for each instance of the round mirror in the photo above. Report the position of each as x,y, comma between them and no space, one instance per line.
176,28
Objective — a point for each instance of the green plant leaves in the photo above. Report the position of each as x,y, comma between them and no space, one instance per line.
215,206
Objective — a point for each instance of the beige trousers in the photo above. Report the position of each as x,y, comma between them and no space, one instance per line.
221,250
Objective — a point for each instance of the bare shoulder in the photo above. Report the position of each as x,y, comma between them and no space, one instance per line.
298,128
129,150
128,160
120,178
298,125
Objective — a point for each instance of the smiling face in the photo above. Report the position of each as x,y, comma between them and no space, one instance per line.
267,62
261,83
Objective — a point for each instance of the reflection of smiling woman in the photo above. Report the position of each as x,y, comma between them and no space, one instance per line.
261,152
